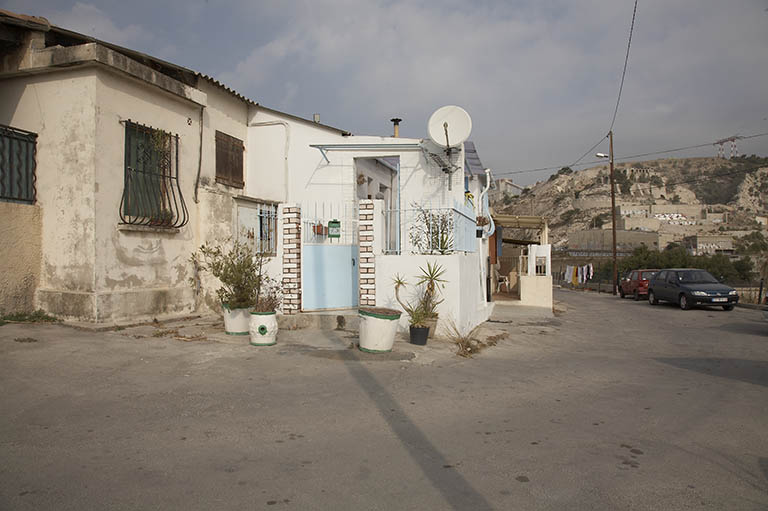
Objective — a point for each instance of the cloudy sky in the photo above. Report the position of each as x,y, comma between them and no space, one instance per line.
539,78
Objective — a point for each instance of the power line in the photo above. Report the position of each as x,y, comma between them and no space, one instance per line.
588,151
708,177
624,72
622,158
621,87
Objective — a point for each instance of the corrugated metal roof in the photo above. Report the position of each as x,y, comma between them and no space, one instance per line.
37,23
220,85
471,159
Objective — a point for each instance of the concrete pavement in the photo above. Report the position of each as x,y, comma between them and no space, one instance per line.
609,405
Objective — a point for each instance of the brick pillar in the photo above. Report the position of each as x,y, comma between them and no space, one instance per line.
291,259
367,271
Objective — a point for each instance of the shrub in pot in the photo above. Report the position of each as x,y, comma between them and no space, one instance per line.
263,325
423,313
244,283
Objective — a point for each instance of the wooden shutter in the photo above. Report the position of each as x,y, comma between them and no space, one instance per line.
229,160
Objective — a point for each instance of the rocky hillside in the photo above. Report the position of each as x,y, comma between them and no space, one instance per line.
578,200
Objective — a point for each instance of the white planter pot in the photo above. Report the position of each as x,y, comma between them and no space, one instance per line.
263,328
377,329
236,321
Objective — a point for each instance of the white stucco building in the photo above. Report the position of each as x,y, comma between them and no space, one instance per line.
133,163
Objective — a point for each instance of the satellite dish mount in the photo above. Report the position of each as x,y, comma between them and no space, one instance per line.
448,127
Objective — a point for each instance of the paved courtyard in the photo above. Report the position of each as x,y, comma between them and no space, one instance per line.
609,405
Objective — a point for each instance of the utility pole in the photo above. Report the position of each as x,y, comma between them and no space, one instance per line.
615,273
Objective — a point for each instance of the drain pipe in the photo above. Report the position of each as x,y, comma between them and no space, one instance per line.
481,201
199,156
287,145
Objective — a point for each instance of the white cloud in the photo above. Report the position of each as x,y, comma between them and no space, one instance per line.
89,19
540,84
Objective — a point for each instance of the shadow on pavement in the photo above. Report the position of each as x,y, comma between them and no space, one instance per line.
750,371
456,490
763,464
748,327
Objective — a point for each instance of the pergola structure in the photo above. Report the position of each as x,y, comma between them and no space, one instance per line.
523,222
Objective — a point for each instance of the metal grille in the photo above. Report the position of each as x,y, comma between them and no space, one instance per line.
257,226
430,230
17,164
151,192
317,217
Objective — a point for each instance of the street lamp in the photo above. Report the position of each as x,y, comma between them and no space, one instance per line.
615,273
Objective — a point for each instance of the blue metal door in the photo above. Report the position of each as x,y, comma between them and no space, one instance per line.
329,276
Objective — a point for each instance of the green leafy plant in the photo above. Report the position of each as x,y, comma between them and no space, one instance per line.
429,283
244,281
432,231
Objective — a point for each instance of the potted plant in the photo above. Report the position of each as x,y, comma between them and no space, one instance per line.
244,284
263,323
418,329
378,327
422,314
481,222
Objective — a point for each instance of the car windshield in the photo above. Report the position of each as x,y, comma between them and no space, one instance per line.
696,277
648,275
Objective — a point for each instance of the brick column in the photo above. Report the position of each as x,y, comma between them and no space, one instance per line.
291,259
367,272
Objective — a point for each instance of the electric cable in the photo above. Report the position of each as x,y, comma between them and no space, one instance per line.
624,72
621,158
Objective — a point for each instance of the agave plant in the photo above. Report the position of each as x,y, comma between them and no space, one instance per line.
430,281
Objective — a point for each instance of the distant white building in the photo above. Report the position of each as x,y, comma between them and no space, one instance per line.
502,188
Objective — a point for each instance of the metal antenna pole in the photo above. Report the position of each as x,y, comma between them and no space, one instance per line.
615,273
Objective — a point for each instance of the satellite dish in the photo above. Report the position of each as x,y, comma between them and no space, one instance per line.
449,126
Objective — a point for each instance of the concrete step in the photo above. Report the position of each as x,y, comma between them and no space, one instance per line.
326,320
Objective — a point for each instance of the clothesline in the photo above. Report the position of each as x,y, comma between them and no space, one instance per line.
579,274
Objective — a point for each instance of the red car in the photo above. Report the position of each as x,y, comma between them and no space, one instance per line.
636,284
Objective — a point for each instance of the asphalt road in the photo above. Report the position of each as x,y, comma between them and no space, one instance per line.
611,405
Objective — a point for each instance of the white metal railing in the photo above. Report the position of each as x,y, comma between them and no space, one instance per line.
430,230
329,223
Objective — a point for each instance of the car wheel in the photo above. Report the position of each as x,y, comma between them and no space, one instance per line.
727,307
621,292
636,296
685,303
652,298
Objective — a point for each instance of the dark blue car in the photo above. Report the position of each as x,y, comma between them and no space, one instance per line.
689,287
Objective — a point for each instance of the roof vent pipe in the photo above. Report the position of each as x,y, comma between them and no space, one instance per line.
396,122
316,118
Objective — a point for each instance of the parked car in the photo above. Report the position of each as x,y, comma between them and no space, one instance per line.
689,287
636,284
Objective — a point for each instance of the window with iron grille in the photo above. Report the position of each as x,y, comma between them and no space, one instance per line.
151,192
229,160
17,165
257,223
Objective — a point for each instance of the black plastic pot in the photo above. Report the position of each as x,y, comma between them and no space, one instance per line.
419,335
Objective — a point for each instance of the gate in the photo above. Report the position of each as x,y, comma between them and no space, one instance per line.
329,259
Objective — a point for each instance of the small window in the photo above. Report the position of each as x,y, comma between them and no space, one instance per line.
151,192
257,223
17,165
633,276
229,160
